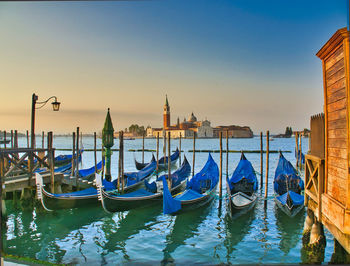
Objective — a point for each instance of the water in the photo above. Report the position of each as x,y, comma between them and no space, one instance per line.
204,236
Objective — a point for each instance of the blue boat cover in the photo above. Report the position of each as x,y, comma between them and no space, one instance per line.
296,198
179,175
170,205
286,174
138,193
90,171
152,187
60,169
205,180
135,177
245,170
189,194
173,157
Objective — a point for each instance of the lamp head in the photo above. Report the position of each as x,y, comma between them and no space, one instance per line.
56,105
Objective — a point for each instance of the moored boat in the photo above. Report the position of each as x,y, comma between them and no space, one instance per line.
288,187
140,166
200,190
242,188
89,196
161,164
151,194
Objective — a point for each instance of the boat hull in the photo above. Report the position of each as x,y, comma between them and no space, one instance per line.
240,203
115,204
291,212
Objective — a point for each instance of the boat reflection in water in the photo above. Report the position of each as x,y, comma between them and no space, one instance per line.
236,229
36,233
289,228
185,226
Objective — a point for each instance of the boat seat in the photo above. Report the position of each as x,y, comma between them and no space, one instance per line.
243,186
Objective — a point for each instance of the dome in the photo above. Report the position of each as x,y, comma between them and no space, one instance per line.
192,118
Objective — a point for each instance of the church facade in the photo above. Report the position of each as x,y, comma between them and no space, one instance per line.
186,129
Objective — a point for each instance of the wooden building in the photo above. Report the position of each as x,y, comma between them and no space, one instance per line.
327,173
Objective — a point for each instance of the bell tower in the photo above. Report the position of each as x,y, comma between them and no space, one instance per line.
166,113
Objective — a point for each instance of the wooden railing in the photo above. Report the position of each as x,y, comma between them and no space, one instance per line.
21,160
314,180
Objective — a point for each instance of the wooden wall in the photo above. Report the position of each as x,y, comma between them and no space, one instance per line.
317,136
336,196
336,108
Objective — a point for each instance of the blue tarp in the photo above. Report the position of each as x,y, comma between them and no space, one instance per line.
245,170
296,198
207,178
135,177
173,157
189,195
180,174
285,174
138,193
170,205
90,171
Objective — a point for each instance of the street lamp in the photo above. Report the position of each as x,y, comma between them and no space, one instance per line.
55,107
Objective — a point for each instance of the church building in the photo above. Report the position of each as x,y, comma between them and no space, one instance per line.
187,128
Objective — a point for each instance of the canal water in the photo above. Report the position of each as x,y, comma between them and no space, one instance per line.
205,236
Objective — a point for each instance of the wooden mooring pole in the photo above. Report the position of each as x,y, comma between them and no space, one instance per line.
300,151
5,139
78,155
164,147
180,150
169,163
157,153
28,145
220,174
143,147
297,147
11,139
95,151
43,139
103,157
267,162
122,161
52,159
261,160
194,152
73,156
226,153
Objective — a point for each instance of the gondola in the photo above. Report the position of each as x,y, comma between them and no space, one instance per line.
200,190
140,166
151,194
66,158
242,188
288,187
173,159
89,196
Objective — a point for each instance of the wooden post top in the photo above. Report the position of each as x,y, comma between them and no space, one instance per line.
338,37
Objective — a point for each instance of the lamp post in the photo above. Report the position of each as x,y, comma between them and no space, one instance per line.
55,106
108,142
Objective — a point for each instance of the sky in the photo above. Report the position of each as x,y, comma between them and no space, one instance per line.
243,62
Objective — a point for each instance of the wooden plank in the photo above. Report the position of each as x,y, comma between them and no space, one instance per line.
336,96
335,68
335,77
338,152
340,84
337,133
338,162
334,58
339,114
337,143
337,124
336,106
343,239
337,172
333,211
